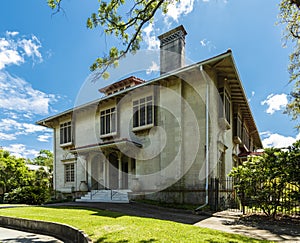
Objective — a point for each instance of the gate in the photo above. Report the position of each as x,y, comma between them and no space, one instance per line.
222,195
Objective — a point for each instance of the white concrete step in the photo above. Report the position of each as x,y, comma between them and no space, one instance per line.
115,196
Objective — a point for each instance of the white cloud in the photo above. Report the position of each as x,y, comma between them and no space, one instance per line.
275,102
150,38
208,44
8,55
31,47
20,151
17,95
153,68
277,140
11,33
252,95
10,129
178,8
31,128
13,50
44,138
7,124
9,137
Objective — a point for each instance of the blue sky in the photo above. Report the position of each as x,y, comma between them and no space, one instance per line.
45,59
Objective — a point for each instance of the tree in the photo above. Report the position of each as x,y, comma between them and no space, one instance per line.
124,21
45,158
293,165
13,172
18,184
290,17
270,181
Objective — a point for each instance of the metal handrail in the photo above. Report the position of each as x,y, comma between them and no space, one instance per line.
113,193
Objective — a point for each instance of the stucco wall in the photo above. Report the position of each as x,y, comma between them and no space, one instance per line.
173,150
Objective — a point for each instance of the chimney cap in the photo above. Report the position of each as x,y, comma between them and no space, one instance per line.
179,28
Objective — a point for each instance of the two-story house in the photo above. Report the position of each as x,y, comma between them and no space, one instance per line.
163,138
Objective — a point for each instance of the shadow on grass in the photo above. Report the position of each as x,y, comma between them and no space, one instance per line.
104,239
140,210
95,212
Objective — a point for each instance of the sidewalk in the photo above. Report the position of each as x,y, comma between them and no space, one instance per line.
228,221
16,236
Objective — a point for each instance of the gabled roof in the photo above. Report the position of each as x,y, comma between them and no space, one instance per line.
224,65
122,83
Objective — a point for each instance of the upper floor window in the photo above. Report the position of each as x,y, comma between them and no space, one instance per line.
143,112
65,133
69,172
225,107
238,126
108,121
246,138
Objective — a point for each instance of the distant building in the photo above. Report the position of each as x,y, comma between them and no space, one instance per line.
32,167
163,138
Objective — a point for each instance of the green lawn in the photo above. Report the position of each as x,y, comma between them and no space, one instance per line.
106,226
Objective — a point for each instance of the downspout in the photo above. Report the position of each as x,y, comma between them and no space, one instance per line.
206,140
54,162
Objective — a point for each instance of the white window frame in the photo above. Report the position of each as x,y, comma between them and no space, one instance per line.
246,137
69,172
226,105
65,133
108,122
143,113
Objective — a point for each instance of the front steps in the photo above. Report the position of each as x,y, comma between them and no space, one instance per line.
109,196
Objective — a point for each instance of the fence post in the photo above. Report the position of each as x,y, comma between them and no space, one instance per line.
216,187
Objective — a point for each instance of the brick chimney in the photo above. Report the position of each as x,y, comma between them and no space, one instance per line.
172,49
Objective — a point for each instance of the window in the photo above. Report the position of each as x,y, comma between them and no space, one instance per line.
143,112
246,139
225,105
69,173
238,126
65,133
108,121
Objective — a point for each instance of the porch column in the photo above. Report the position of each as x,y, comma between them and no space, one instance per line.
120,170
83,161
105,170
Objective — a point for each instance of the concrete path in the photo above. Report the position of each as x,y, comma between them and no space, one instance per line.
16,236
231,226
228,221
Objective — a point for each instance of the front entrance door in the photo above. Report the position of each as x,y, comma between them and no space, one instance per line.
113,171
94,173
125,174
97,173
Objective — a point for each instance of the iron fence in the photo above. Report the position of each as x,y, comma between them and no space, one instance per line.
223,196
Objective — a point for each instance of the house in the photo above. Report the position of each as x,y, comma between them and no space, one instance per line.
161,139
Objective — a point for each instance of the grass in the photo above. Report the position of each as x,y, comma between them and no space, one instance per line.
168,205
106,226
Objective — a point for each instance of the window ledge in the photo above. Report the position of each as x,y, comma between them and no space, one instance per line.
141,128
224,124
108,135
237,140
66,144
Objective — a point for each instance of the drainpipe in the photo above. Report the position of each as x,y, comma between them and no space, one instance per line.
206,140
54,163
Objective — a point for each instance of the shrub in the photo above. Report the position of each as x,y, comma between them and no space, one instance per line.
33,195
